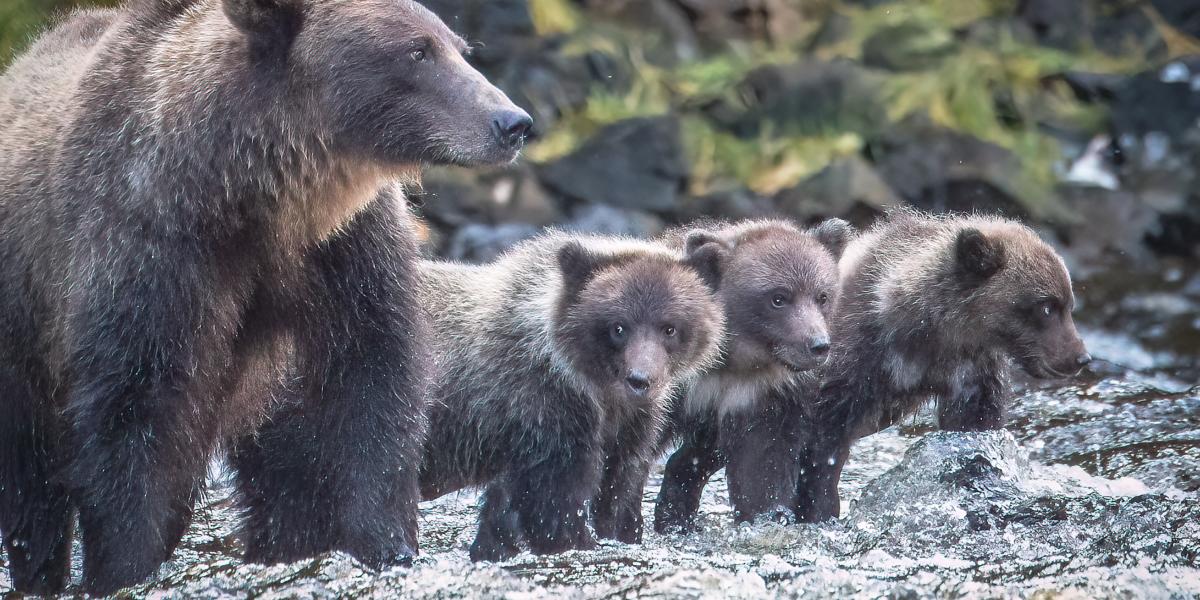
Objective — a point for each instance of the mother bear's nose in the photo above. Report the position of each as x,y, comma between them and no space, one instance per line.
511,127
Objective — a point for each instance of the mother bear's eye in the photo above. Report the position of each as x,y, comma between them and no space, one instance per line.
418,55
1045,309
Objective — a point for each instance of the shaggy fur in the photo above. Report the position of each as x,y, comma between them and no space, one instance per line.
777,285
933,307
554,366
188,217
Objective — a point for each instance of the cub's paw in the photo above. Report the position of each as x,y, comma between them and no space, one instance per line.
485,551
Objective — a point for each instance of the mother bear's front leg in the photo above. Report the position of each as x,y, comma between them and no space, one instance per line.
335,466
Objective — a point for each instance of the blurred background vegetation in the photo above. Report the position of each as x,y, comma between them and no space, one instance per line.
1080,116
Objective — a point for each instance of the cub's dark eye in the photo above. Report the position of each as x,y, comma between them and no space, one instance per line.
418,55
669,331
617,331
822,299
778,300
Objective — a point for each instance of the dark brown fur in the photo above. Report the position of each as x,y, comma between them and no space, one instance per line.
554,364
932,307
191,241
778,285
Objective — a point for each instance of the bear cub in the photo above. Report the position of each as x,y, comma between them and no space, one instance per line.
778,286
554,365
933,307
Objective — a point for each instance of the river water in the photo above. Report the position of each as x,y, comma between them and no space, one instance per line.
1091,492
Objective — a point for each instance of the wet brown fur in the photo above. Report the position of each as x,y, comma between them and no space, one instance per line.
932,308
533,397
766,346
197,250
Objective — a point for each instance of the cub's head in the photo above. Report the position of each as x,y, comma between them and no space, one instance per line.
779,285
387,78
1016,289
635,323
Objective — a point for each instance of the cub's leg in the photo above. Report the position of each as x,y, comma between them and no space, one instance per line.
763,462
687,472
617,508
552,481
979,406
499,526
335,467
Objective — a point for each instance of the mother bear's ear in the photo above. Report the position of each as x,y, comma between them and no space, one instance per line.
266,20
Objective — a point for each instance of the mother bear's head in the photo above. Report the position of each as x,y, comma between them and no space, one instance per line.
388,78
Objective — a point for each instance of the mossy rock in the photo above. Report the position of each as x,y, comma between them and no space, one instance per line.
910,46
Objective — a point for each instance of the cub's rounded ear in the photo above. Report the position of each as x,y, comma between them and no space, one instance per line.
705,253
265,18
976,254
834,234
578,264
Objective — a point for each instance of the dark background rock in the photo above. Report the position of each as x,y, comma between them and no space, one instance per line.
908,46
941,170
803,98
850,189
637,164
1184,15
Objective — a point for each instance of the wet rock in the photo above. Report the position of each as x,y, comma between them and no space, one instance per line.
1178,232
732,204
478,243
910,46
1183,15
1156,131
803,98
983,502
849,188
607,220
480,213
1165,99
1116,428
1111,228
636,163
939,169
1112,26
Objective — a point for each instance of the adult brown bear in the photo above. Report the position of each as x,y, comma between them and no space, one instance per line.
195,254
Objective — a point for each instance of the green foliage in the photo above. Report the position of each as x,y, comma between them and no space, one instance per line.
22,20
989,85
963,69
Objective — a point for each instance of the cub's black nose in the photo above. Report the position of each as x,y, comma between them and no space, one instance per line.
511,127
638,382
819,347
1083,359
